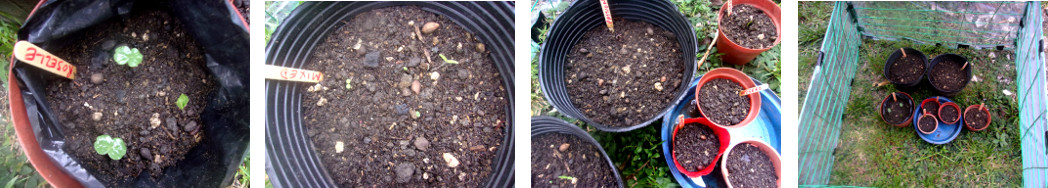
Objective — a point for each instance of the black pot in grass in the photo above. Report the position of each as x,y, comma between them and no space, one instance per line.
906,69
563,155
948,74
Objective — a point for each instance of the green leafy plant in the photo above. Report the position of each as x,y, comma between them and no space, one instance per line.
113,147
182,101
446,60
127,55
348,85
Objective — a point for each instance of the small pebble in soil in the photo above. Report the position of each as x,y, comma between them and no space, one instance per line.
371,59
96,78
434,76
430,27
416,86
191,127
367,140
401,109
108,44
171,124
146,154
97,116
405,81
564,146
480,47
321,102
451,160
404,171
145,36
658,86
414,61
154,121
339,146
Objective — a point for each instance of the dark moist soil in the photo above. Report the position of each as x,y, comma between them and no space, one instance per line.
624,78
948,75
126,99
720,101
553,167
749,27
950,114
927,124
900,109
907,69
976,118
750,167
695,146
461,107
932,108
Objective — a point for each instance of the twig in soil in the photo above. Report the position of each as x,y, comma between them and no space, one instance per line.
879,84
708,49
426,51
419,34
903,52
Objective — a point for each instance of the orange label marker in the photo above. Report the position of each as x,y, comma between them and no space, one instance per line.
40,58
607,15
753,90
291,74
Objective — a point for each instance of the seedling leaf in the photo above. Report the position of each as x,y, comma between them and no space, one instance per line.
112,147
127,55
446,60
348,81
182,101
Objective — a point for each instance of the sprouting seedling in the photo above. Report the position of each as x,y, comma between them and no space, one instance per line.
573,179
446,60
113,147
182,101
348,83
127,55
418,114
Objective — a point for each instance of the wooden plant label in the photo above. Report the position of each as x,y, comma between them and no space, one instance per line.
753,90
291,74
607,15
39,58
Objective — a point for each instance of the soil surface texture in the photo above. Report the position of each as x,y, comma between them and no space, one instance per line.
896,111
749,27
907,69
949,114
931,108
927,124
976,118
695,146
561,160
948,76
720,101
391,112
244,7
624,78
748,166
134,104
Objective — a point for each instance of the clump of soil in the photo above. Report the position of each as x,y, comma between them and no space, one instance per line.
907,69
749,27
896,110
927,124
750,167
949,114
134,104
626,77
720,101
977,119
560,160
948,76
391,112
931,108
695,146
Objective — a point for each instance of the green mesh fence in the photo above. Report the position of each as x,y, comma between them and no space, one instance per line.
1011,25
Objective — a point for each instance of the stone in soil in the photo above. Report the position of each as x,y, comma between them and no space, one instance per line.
371,59
451,160
695,146
421,143
719,99
404,171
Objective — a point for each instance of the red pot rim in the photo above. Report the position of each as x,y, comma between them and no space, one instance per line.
768,150
769,8
722,135
739,78
934,99
928,115
989,117
959,113
879,110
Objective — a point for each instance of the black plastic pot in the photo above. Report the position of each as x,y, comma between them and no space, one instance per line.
898,54
290,159
583,16
549,125
954,58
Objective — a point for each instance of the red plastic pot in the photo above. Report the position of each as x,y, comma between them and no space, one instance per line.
951,105
768,150
932,100
928,115
898,94
739,78
989,118
739,55
722,135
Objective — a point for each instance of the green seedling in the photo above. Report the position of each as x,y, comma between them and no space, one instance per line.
182,101
127,55
348,85
113,147
418,114
573,180
446,60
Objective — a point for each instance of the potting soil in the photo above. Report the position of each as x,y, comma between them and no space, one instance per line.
748,166
695,146
896,110
720,102
907,69
948,75
949,114
927,124
578,164
976,118
749,27
931,107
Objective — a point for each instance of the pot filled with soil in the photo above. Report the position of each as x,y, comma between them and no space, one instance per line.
896,109
563,155
752,27
415,94
751,163
949,74
697,145
927,123
931,105
977,117
719,101
623,80
906,67
161,83
949,113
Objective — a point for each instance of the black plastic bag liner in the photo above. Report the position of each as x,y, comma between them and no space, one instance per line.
290,159
224,38
549,125
584,15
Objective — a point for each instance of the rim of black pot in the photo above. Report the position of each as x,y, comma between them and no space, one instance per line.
549,125
290,159
898,54
583,16
955,58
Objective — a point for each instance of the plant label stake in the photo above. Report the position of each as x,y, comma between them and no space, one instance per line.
607,15
893,97
753,90
40,58
291,74
728,12
965,65
903,52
